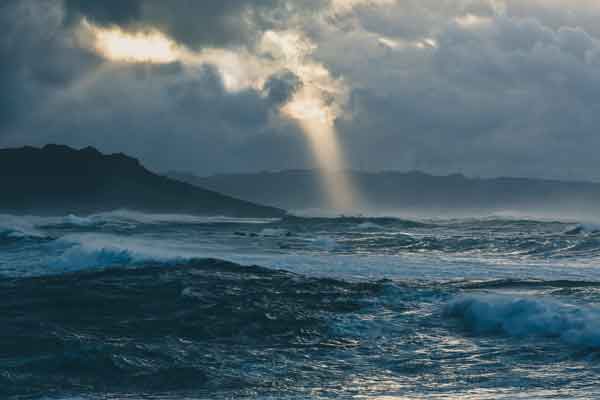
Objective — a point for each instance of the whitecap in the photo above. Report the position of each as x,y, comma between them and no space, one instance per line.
584,228
370,226
100,250
146,218
274,232
18,227
575,325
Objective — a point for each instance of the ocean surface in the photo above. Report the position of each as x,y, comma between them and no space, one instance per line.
125,305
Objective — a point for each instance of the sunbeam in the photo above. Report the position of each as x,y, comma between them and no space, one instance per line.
317,121
315,106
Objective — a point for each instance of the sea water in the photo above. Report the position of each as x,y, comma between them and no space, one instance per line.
126,305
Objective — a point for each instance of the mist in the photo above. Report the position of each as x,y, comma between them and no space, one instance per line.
414,194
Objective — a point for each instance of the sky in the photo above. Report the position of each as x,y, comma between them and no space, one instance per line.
480,87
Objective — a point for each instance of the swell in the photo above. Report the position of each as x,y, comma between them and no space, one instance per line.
204,325
156,294
503,238
525,284
161,327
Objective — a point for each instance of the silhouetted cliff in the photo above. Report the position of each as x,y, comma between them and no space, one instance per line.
58,180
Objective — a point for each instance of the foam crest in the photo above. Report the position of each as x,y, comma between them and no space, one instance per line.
28,224
98,250
584,228
12,227
370,226
274,232
144,218
72,219
524,317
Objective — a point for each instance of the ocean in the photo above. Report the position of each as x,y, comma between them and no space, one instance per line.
126,305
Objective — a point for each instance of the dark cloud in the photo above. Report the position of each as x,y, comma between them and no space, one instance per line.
281,87
172,119
171,116
105,12
39,57
518,94
194,23
510,97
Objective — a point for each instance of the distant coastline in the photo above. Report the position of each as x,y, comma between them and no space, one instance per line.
413,192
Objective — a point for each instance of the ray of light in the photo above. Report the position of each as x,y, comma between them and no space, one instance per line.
315,106
317,122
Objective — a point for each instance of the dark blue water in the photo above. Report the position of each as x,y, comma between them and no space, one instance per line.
133,306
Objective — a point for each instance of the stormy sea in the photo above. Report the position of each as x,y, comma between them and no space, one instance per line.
125,305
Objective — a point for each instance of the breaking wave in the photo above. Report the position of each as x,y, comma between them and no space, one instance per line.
354,222
102,250
576,325
13,228
130,304
584,229
145,218
122,217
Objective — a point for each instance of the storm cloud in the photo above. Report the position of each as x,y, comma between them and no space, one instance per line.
195,23
483,87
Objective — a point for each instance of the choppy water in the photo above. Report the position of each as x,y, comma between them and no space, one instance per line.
132,306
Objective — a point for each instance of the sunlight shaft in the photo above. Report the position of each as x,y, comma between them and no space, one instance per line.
315,106
336,184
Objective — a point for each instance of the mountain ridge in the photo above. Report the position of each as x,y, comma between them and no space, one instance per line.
413,191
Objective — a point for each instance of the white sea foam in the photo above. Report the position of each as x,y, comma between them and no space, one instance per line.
527,316
29,223
323,242
369,226
144,218
585,228
313,252
18,227
72,219
274,232
91,250
99,250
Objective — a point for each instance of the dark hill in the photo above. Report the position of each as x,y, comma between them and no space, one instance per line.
59,180
414,192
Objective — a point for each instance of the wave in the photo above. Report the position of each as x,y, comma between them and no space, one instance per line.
104,250
525,284
369,226
371,222
75,220
196,325
124,217
274,232
145,218
575,325
14,228
584,229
